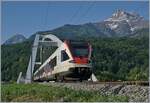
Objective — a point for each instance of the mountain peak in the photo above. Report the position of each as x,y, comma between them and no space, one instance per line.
121,15
18,38
118,13
123,22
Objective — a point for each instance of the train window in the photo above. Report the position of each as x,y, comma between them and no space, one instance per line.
64,55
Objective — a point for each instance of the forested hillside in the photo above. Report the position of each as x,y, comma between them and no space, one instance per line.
14,59
113,58
121,58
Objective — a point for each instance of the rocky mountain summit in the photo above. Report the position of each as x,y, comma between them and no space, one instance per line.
124,23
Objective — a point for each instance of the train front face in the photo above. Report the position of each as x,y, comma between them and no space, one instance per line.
81,54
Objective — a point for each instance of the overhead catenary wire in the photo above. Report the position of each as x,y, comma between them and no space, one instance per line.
76,13
73,17
46,14
87,10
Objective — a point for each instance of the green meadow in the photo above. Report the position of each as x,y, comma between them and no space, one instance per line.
43,93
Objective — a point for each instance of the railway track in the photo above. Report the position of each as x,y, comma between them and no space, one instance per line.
142,83
135,90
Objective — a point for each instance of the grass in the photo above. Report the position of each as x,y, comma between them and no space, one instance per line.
42,93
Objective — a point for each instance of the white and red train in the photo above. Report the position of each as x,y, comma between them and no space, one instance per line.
72,60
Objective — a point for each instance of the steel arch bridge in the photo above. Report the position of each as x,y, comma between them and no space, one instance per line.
41,40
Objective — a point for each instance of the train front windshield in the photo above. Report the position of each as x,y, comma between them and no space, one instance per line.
80,52
79,49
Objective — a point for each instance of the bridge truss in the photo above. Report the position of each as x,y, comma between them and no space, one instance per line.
40,41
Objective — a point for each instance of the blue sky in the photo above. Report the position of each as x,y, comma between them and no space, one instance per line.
28,17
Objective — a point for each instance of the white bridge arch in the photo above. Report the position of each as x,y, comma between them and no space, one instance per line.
54,41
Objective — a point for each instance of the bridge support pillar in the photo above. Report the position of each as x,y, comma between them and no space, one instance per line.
30,69
93,78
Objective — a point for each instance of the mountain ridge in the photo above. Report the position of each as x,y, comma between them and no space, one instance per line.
120,24
18,38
